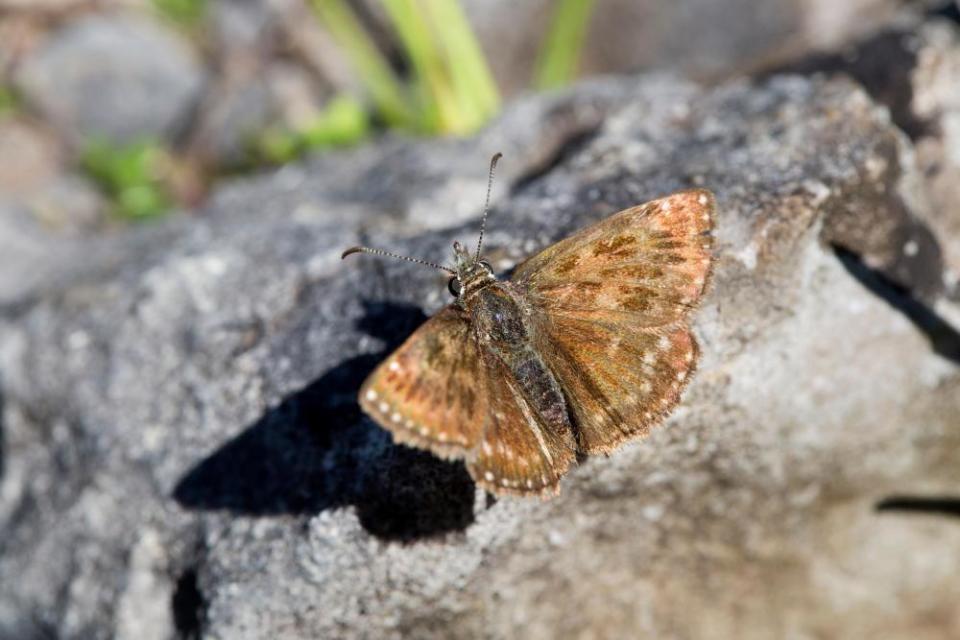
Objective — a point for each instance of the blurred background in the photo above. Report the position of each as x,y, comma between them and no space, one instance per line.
116,111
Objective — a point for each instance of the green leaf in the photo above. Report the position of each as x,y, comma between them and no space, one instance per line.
343,122
560,53
187,13
9,104
130,175
276,145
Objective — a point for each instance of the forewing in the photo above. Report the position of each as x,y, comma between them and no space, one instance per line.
646,266
430,392
612,302
519,453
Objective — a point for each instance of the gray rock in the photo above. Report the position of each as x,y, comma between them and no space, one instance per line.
248,102
936,103
241,27
913,72
280,43
25,254
183,453
69,203
236,111
115,77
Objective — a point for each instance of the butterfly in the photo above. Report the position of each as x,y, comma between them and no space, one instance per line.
586,346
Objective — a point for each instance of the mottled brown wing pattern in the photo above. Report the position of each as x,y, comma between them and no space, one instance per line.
613,301
519,453
430,392
618,382
646,266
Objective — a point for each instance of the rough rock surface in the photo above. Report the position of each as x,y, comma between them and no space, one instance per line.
936,104
914,71
182,453
114,76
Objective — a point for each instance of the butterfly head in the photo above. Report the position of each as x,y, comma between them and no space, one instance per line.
471,274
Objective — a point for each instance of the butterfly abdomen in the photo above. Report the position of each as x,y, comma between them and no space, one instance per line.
542,389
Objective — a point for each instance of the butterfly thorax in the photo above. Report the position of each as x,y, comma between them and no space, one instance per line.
474,280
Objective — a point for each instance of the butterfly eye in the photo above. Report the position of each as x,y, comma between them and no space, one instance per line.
486,265
454,286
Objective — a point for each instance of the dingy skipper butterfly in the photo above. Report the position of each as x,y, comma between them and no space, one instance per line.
586,346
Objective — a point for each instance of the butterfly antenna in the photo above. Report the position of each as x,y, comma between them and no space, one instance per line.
486,205
380,252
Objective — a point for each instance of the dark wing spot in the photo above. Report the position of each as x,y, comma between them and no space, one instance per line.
670,244
435,350
415,390
633,271
667,258
567,264
615,245
637,298
467,400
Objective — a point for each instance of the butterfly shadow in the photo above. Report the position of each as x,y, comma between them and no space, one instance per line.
317,451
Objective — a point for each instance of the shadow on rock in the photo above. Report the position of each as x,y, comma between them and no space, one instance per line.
317,451
936,505
944,338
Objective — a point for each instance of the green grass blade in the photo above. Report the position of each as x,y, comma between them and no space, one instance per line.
473,86
560,53
385,88
435,98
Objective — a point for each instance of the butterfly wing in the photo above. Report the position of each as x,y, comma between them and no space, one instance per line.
613,301
619,384
430,393
438,391
520,453
648,264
